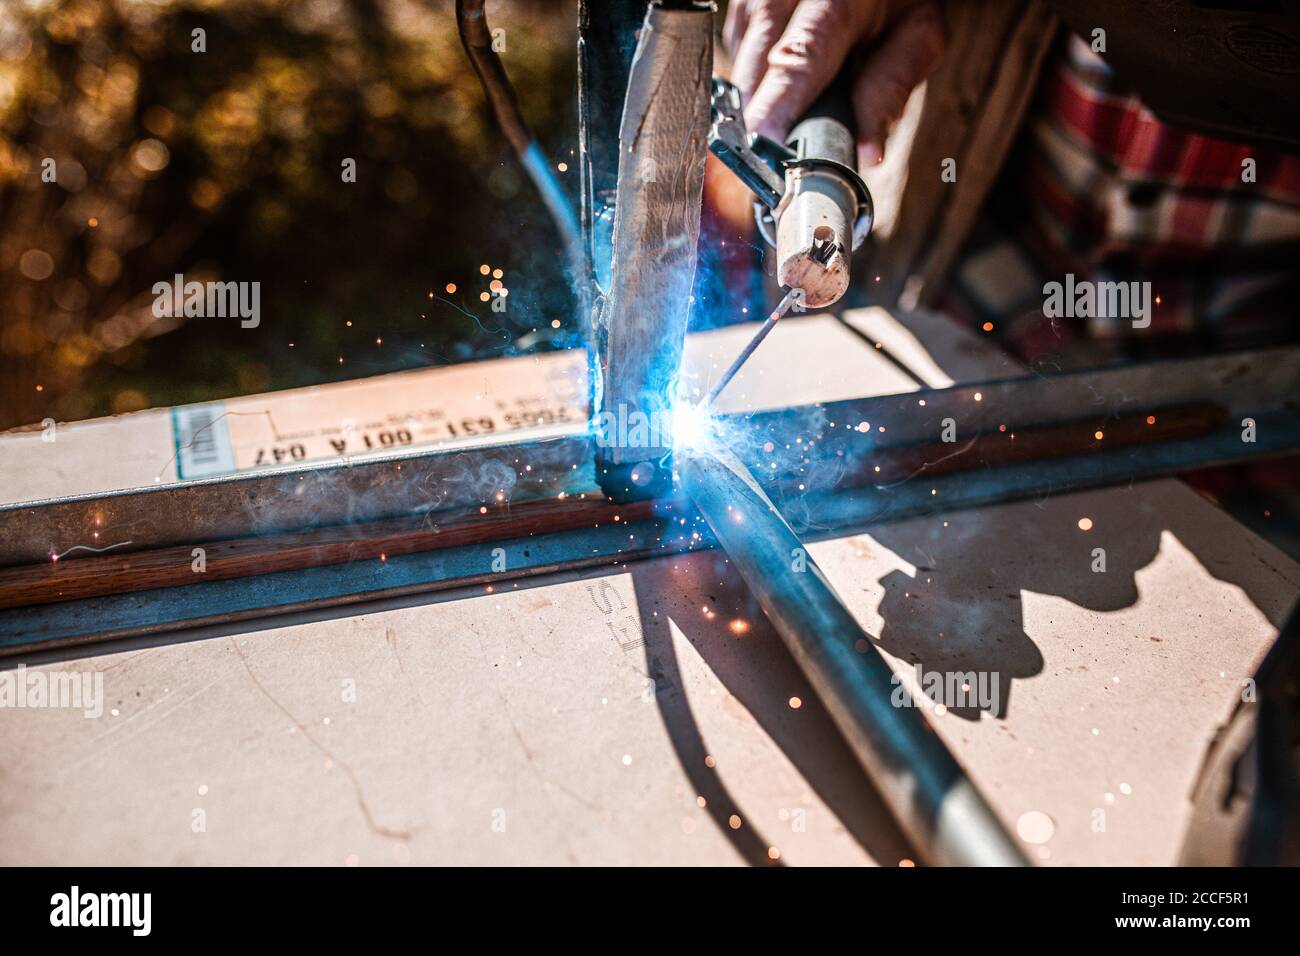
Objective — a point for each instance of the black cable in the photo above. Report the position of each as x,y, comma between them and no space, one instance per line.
476,37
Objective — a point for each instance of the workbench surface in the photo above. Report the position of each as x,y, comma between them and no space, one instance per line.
648,714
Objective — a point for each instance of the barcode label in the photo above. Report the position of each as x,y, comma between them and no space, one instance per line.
202,436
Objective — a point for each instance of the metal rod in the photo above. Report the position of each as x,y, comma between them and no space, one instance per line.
933,800
782,308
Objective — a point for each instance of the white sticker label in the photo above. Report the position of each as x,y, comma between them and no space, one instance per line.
202,435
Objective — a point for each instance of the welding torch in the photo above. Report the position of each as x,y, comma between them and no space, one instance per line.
812,206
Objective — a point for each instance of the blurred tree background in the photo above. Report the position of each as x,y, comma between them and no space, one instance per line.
227,165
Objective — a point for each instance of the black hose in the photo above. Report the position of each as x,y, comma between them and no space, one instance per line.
476,37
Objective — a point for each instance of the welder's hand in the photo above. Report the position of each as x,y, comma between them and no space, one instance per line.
787,51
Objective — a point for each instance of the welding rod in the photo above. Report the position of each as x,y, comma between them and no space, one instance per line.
782,308
933,800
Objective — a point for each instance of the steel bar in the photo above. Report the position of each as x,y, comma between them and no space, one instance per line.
72,624
657,206
120,570
1261,385
814,514
934,801
1248,385
317,495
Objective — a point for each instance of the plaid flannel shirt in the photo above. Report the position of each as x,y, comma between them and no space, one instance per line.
1101,189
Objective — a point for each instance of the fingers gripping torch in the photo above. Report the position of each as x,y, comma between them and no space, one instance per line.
812,205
